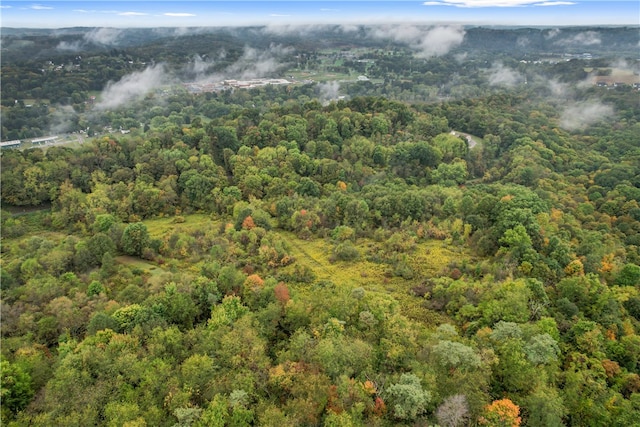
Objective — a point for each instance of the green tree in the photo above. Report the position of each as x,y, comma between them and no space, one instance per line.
629,275
16,389
451,174
454,355
542,349
135,238
544,408
407,397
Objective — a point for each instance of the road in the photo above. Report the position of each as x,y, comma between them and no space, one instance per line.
470,140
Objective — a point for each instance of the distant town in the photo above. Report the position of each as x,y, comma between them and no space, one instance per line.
211,86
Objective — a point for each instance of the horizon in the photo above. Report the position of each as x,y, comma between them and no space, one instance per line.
214,14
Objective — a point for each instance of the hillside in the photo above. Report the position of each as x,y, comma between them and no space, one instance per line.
301,255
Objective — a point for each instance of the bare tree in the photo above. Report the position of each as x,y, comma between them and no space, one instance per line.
454,411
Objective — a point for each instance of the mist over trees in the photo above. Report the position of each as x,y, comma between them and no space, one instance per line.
450,240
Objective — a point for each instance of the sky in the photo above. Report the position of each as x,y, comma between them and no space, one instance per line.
159,13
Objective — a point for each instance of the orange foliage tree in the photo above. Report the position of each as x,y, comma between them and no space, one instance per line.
282,292
501,413
248,223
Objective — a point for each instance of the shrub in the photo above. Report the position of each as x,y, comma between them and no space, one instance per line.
345,251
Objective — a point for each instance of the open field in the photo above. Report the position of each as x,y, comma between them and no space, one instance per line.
320,76
427,260
618,75
159,227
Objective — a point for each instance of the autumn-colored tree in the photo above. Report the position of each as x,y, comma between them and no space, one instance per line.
574,268
248,223
254,282
282,292
501,413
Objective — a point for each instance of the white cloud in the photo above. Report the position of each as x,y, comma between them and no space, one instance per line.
62,120
103,36
555,3
553,33
329,10
178,14
328,91
259,63
499,75
286,29
40,7
307,30
587,38
199,67
582,114
254,63
2,6
99,36
496,3
277,15
132,14
427,41
557,88
70,46
132,87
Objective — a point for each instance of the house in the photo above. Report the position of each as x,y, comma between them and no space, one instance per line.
44,141
10,144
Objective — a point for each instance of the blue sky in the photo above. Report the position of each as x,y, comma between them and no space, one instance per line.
60,14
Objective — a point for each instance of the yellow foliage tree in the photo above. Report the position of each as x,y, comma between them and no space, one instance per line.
574,268
501,413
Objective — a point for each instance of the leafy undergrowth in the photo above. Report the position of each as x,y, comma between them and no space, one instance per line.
159,227
149,269
429,259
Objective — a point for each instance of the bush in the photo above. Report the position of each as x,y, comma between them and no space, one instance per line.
408,397
345,251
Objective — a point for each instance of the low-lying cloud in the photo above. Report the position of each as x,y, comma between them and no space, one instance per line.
585,38
132,87
252,64
103,36
426,41
97,36
74,46
199,68
582,114
499,75
258,63
306,30
328,91
63,120
553,33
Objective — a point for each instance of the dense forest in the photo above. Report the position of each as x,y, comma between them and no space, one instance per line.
270,256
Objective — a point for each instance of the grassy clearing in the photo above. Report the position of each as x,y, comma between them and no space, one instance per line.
152,271
428,260
141,264
319,76
159,227
618,75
